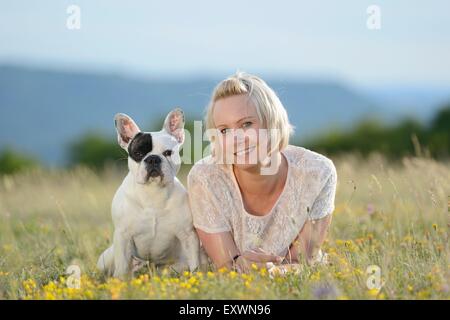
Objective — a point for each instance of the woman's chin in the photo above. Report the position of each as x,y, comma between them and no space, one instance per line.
242,165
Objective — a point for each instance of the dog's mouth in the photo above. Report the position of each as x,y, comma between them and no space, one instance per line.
153,173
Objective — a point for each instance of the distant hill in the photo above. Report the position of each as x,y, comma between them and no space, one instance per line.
42,110
413,101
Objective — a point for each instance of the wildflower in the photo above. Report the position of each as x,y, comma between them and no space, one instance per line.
192,280
49,296
29,285
263,272
315,276
222,270
370,209
373,292
324,291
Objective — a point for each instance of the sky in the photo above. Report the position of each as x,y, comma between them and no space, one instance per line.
314,39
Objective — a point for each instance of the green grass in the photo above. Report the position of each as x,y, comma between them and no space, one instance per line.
394,216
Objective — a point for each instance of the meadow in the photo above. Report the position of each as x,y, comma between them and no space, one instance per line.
393,216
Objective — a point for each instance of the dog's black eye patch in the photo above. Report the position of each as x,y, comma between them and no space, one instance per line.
141,144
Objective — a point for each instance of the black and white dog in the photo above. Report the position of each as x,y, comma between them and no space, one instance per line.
150,210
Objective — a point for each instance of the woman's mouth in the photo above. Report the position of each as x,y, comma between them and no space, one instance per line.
245,151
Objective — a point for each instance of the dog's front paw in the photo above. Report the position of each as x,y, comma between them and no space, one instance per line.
179,267
137,264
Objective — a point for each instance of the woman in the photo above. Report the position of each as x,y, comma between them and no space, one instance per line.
244,215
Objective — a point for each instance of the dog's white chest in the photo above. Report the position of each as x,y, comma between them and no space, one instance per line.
146,222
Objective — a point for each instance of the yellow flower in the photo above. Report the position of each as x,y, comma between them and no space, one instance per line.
233,274
174,280
192,280
254,266
136,282
185,285
358,272
49,296
315,276
424,294
222,270
29,285
89,294
373,292
210,274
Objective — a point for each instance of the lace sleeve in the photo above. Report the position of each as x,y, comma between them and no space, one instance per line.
205,213
324,203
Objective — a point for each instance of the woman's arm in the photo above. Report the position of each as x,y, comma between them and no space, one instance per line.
221,248
309,240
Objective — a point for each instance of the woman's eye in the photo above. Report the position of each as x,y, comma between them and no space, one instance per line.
247,124
224,131
167,153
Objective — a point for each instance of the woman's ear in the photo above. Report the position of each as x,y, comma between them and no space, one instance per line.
174,124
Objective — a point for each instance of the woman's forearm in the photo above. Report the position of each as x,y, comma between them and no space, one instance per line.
309,240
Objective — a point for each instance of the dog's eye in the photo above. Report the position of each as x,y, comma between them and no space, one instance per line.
167,153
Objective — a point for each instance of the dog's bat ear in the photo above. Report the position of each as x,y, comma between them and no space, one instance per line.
126,129
174,124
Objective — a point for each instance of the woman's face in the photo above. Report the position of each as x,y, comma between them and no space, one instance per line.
238,130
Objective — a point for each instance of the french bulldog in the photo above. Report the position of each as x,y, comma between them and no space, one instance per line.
150,210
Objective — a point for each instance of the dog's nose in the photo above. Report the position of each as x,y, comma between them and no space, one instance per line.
153,160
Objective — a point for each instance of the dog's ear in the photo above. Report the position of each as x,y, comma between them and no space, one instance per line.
126,129
174,124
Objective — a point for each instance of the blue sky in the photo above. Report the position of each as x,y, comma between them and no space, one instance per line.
323,39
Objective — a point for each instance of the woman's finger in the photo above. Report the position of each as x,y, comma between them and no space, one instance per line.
262,257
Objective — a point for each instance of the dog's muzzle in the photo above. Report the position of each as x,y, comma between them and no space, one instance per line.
153,165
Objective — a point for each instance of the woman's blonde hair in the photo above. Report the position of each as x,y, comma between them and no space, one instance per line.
269,108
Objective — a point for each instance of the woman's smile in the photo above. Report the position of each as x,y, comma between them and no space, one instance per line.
245,151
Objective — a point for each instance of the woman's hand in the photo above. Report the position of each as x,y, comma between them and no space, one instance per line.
280,270
259,257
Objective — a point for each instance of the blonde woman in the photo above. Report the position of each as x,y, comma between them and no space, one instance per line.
244,215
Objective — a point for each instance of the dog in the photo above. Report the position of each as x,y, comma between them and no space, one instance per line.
150,210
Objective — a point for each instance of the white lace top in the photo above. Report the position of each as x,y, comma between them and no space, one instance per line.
309,193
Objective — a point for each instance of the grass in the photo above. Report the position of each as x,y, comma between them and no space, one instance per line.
394,216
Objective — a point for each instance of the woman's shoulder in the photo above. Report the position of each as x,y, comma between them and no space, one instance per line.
304,160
